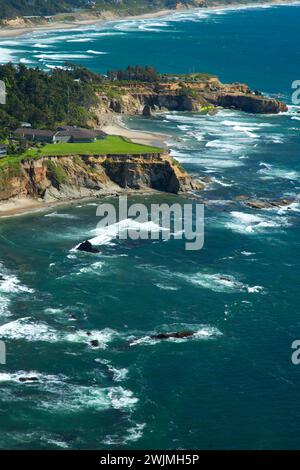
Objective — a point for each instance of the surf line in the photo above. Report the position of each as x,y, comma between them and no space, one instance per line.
162,221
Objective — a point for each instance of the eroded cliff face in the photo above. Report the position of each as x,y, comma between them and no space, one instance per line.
72,177
179,95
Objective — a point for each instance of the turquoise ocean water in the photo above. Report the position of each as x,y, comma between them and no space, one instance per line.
233,385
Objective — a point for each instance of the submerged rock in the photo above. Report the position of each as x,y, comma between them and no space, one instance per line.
95,343
260,204
88,247
72,317
28,379
179,335
242,197
257,204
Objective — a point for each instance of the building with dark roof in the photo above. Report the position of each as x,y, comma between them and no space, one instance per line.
64,134
38,135
77,134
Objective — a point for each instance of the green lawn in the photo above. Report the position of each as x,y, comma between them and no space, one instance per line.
110,145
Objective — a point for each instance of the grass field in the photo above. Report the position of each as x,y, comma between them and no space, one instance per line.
110,145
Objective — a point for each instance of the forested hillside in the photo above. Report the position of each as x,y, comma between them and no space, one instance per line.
46,100
13,8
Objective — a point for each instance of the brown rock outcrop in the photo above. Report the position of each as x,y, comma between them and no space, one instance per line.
74,177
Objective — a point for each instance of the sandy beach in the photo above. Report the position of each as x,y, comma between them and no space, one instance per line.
89,18
58,25
117,127
25,206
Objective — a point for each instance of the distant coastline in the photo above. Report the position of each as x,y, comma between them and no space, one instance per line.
89,19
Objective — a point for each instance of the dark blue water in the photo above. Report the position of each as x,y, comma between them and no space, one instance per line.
256,45
233,385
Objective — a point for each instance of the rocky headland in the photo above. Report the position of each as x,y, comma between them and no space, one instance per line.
52,179
199,93
49,179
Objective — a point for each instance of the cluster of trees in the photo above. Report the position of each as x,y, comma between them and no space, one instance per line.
13,8
63,96
45,99
135,73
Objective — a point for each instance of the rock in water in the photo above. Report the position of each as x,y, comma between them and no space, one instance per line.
147,111
260,204
88,247
28,379
95,343
179,334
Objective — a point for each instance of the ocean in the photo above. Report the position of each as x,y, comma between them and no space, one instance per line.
233,385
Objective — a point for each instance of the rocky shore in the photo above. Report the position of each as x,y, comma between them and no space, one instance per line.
204,94
36,183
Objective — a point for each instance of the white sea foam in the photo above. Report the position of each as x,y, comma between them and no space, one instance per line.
41,378
61,67
104,337
59,394
80,40
94,268
10,286
23,60
218,282
133,434
59,215
221,182
6,55
166,287
72,398
119,374
29,330
246,223
274,172
91,51
105,235
41,46
247,125
55,442
247,253
60,57
10,42
4,306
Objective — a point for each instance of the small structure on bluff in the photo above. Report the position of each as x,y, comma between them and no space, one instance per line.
64,134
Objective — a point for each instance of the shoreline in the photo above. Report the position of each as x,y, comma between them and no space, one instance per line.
7,32
18,207
118,127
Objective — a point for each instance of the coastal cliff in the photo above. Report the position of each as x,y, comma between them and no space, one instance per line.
202,93
74,177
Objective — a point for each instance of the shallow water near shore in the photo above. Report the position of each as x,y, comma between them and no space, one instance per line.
233,384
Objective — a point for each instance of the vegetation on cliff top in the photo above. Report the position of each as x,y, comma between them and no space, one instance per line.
111,145
43,99
16,8
66,96
12,9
